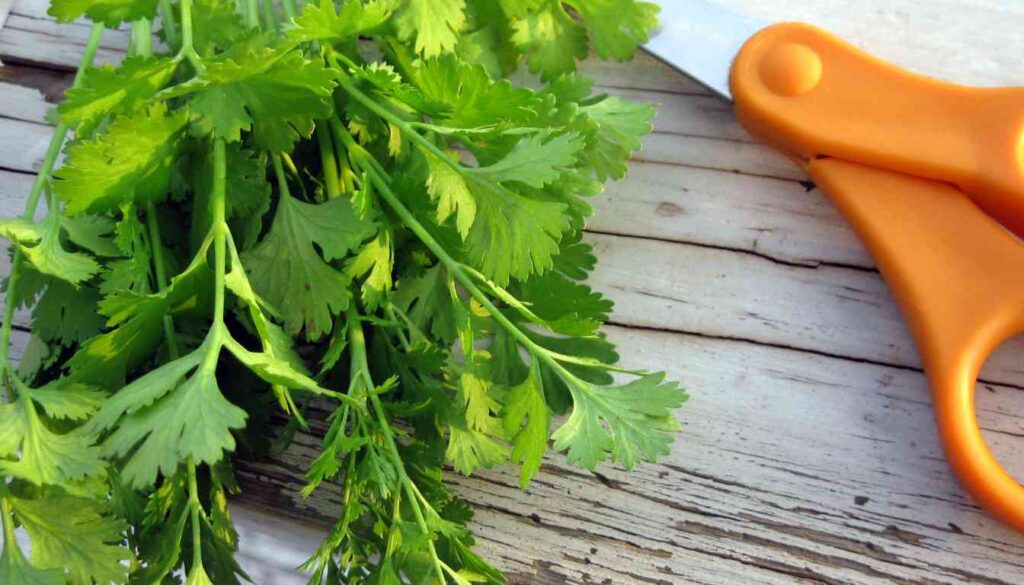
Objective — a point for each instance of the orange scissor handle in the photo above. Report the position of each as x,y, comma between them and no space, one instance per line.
810,94
890,148
959,280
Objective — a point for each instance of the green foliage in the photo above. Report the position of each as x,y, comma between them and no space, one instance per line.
273,198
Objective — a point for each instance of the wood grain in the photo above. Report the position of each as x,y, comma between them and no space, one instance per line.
809,452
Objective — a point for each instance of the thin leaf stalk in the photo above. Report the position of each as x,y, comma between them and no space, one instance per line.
167,23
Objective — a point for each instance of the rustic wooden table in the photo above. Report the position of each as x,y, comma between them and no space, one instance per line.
809,452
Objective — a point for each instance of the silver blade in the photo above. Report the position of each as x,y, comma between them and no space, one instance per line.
701,38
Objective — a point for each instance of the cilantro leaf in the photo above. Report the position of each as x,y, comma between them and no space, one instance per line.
167,417
472,98
74,534
449,189
324,23
130,162
534,161
527,419
469,450
289,274
376,261
109,12
216,25
65,314
44,456
108,90
49,256
275,93
16,570
617,27
630,423
552,41
619,128
433,25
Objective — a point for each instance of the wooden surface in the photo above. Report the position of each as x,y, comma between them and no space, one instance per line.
809,453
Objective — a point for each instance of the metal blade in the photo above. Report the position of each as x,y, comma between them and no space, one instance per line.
701,38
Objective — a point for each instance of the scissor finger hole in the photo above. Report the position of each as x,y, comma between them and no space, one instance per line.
999,403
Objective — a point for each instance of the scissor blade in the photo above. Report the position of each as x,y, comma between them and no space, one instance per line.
701,38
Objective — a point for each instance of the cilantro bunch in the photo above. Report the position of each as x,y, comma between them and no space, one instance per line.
347,204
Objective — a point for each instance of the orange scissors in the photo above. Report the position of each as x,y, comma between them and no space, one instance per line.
930,175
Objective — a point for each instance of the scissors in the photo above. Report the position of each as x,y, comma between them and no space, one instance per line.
930,175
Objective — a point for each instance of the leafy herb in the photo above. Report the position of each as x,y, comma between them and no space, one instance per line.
379,221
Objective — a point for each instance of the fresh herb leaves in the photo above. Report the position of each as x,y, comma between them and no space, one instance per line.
368,198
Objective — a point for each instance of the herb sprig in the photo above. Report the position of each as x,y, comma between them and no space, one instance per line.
346,203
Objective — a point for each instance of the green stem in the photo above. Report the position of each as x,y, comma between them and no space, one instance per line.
193,501
217,212
42,180
142,38
187,47
251,14
328,161
170,27
360,367
161,277
289,9
10,538
269,20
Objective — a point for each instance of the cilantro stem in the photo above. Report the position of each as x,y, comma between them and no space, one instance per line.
194,505
328,160
289,9
187,47
251,14
167,23
360,367
217,213
42,180
142,38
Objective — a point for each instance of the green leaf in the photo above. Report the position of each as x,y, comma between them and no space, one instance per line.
92,232
77,535
527,419
65,399
110,12
552,41
513,236
564,306
16,570
534,161
44,457
427,303
130,162
376,261
216,25
469,450
617,27
433,25
620,126
472,98
49,257
287,271
108,90
449,189
65,314
167,417
630,423
137,319
324,23
274,93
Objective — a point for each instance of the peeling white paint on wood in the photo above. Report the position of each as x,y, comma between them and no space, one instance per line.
809,452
